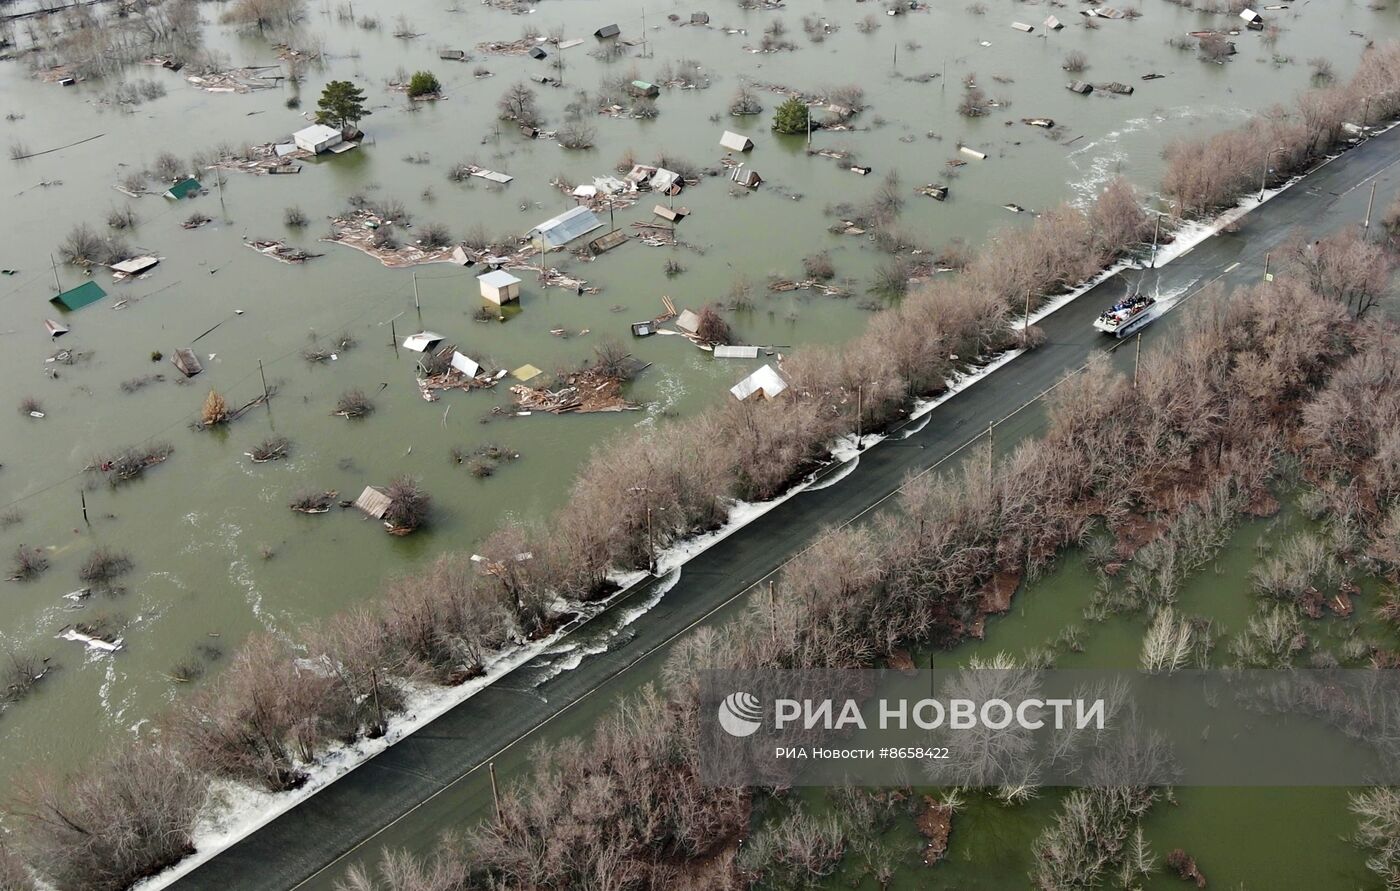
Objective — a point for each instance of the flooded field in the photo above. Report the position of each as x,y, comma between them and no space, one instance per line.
217,554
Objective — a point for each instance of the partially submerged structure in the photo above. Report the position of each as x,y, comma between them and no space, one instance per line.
185,188
607,31
317,138
556,232
422,341
735,142
764,383
76,298
134,266
373,502
187,362
499,287
746,177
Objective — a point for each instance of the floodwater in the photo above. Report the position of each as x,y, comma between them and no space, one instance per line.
217,554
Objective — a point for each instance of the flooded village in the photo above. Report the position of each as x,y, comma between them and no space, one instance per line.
360,358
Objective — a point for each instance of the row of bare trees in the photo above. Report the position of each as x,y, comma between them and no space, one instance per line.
625,809
1205,176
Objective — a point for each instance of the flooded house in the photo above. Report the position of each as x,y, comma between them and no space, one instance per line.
499,287
317,138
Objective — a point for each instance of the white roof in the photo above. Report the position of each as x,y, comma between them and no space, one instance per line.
1250,15
736,352
134,265
498,278
493,176
585,191
464,364
423,340
765,380
688,321
663,179
735,141
316,133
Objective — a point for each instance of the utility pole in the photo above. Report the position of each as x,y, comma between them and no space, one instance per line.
264,378
416,305
1267,277
58,287
1370,202
1156,228
772,614
1025,331
394,338
860,413
495,792
83,496
378,709
809,126
1137,358
991,450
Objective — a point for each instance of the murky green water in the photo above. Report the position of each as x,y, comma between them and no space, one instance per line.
197,526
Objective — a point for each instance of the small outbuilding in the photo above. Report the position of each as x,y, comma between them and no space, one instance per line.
1080,87
187,362
317,138
748,178
499,287
607,31
765,383
699,18
422,341
671,214
373,502
452,55
537,52
185,188
642,88
735,142
134,266
76,298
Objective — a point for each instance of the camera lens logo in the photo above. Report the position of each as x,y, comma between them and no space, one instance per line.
740,714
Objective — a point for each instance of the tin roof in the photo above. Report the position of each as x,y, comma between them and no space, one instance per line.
82,295
498,278
559,231
374,502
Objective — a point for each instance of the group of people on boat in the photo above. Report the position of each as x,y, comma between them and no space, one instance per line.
1125,309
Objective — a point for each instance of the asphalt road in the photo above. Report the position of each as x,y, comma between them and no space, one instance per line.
434,777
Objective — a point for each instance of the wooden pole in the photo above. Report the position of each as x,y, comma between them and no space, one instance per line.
1266,267
772,614
1137,358
56,285
394,338
1366,226
264,378
83,497
416,305
1156,227
1027,329
378,709
495,792
991,450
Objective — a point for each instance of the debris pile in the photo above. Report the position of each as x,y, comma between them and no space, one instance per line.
280,250
589,390
239,80
360,229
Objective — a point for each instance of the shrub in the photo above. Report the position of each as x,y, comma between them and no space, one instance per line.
27,563
1075,62
423,83
408,504
712,328
127,818
819,266
435,235
215,410
104,566
294,217
353,404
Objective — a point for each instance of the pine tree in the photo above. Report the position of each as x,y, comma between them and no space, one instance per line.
342,105
791,117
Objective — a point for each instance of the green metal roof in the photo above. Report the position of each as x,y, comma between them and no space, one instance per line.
184,189
82,295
